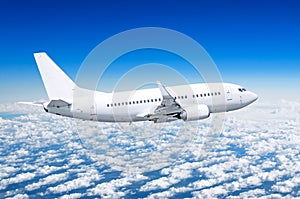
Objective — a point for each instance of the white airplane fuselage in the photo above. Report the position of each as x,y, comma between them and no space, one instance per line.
131,106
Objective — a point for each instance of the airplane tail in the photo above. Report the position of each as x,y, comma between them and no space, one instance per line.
58,85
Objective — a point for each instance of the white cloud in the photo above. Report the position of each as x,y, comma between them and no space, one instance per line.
45,170
51,179
72,196
111,189
17,179
85,180
175,175
19,196
19,108
163,194
74,160
161,183
258,145
248,170
6,171
288,185
212,192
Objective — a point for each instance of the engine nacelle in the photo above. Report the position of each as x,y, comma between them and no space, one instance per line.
197,112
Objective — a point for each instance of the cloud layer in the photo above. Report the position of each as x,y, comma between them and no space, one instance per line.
256,155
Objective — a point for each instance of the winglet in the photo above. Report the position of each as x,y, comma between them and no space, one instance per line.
163,90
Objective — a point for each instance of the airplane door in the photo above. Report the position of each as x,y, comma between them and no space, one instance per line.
228,93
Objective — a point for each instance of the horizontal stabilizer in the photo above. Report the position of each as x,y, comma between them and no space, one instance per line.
32,103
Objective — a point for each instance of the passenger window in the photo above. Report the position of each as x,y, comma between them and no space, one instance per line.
204,95
119,104
159,99
185,97
130,103
107,105
126,103
151,100
197,95
148,101
155,100
122,103
193,96
219,93
133,102
201,95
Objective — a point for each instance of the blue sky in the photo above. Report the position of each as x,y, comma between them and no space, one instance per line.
253,43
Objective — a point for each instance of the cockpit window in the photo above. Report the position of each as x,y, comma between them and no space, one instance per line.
242,89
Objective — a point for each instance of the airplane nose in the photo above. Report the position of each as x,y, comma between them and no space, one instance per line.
252,97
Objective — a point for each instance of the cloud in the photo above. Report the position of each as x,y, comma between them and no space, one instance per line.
6,171
256,155
112,188
288,185
51,179
109,190
85,180
175,175
17,179
72,196
45,170
19,196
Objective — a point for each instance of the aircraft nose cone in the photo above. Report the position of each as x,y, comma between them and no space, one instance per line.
252,97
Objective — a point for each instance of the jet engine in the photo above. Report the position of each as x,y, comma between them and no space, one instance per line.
197,112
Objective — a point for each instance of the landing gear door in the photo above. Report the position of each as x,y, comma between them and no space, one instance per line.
228,93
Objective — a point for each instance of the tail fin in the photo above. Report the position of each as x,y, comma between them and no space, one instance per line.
58,85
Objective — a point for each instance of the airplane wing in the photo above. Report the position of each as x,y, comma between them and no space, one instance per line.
168,110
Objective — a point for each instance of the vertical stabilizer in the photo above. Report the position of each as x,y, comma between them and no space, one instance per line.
58,85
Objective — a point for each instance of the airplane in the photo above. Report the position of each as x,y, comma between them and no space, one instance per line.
162,104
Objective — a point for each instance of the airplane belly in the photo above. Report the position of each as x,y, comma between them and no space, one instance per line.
121,114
